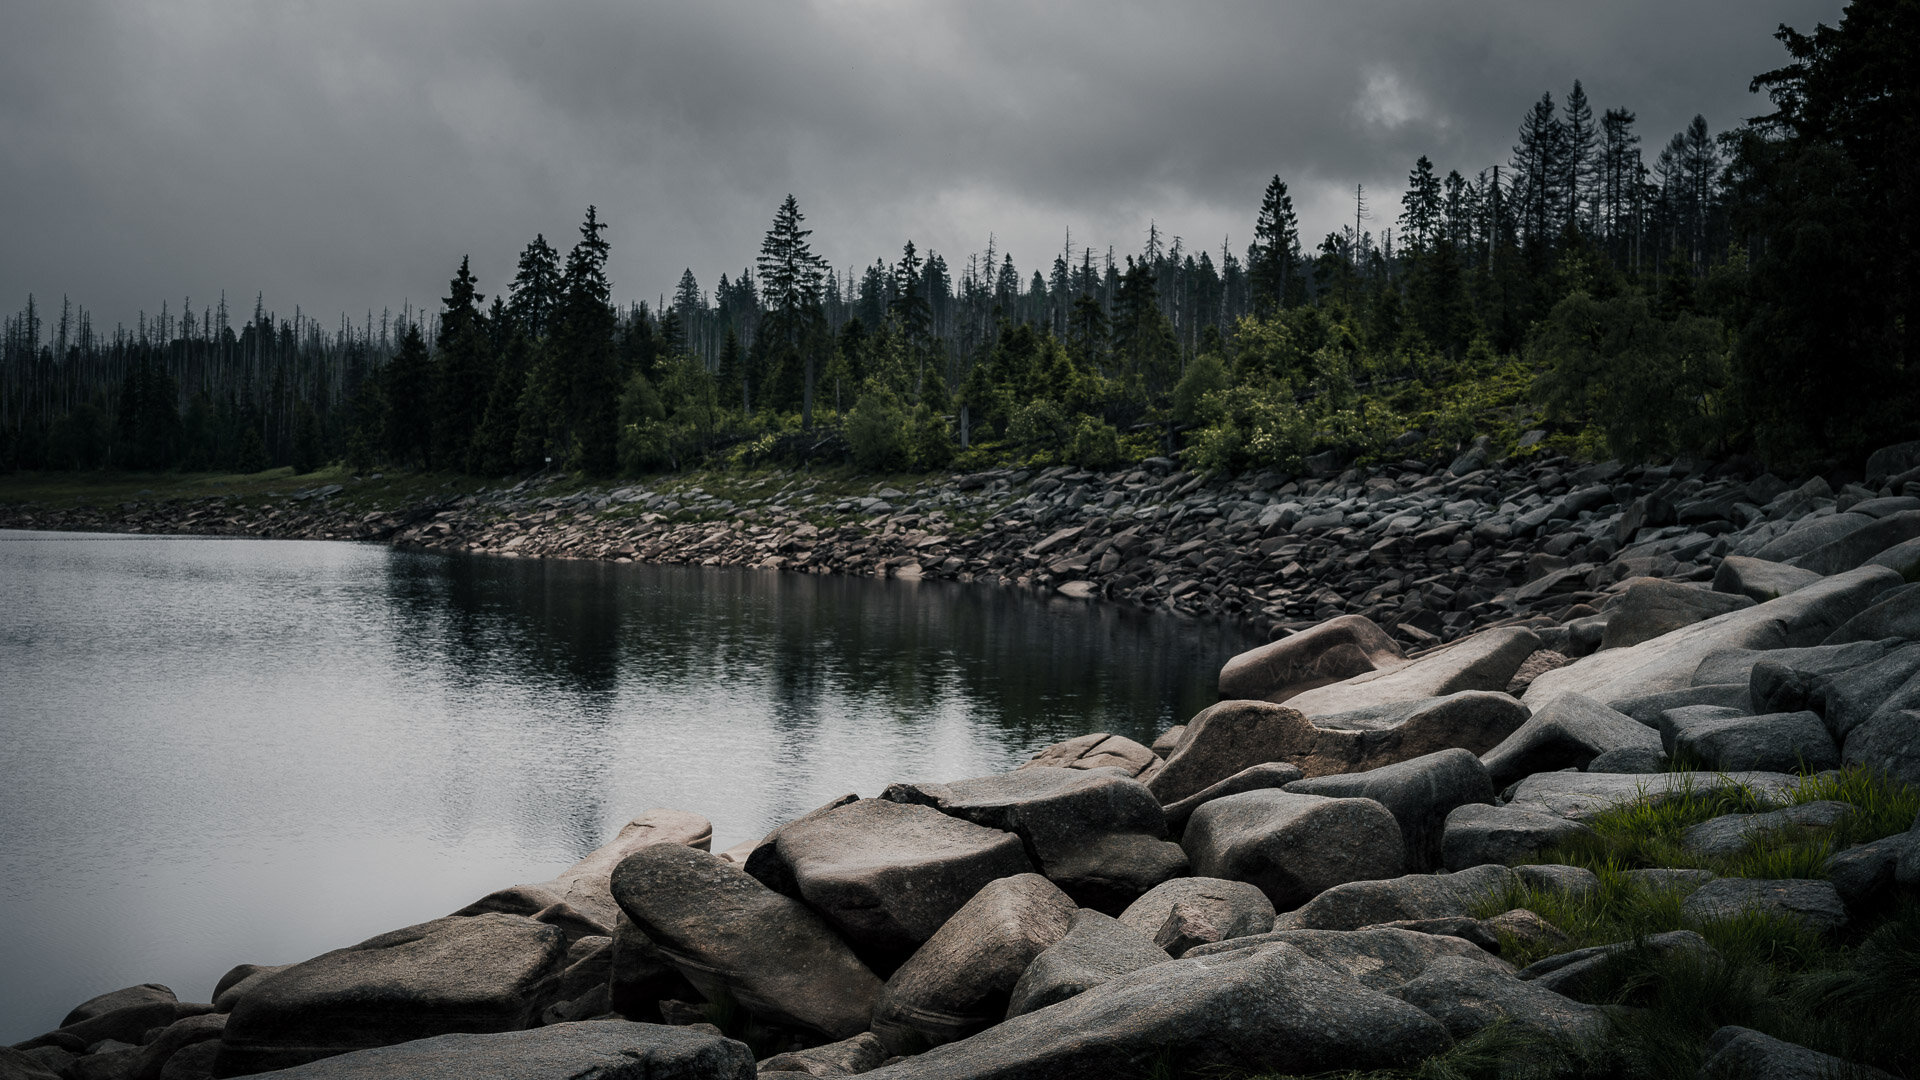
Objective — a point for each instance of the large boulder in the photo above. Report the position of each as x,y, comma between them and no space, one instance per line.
1857,546
962,979
1096,949
888,874
1896,614
115,1000
1815,903
1476,834
1567,731
1777,742
1293,846
124,1016
1754,1055
1811,533
579,899
1482,661
1758,579
1096,834
1467,995
1234,736
730,935
1337,649
1584,796
1232,909
1419,793
1668,662
762,859
1655,606
1414,896
640,976
589,1050
1272,774
1382,958
1888,741
478,974
1272,1009
848,1057
1096,751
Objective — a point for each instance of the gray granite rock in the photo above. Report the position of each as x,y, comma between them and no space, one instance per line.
1233,908
1096,949
1097,835
1293,846
887,874
848,1057
591,1050
1759,579
960,981
1730,834
1273,774
1815,903
1337,649
1751,1055
1467,996
1096,751
1477,834
1482,661
729,934
1655,607
579,900
1413,896
1583,796
1569,730
1777,742
480,973
1274,1008
1419,792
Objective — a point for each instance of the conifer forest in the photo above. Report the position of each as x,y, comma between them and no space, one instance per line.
1749,290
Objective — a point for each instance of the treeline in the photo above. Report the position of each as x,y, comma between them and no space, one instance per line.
1746,291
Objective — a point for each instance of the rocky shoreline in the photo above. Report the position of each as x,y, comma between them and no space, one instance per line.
1355,860
1428,551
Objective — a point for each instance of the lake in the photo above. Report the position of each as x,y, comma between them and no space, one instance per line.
221,751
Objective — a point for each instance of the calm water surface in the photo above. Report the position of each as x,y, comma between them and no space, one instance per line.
217,751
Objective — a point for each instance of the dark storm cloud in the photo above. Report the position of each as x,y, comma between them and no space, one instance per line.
346,154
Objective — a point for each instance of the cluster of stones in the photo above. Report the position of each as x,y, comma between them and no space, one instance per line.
1429,552
1292,880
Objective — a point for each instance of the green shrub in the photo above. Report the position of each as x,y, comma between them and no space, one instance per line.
1038,426
1095,444
877,429
932,439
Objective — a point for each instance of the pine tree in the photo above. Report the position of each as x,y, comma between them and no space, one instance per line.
1275,249
462,372
584,348
1577,164
1539,168
790,283
536,289
1420,219
407,428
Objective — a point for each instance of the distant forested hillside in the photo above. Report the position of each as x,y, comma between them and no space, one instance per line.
1746,291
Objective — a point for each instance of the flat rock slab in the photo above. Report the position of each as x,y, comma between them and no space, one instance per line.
1752,1055
1477,834
1468,995
1414,896
1096,834
1337,649
1225,739
848,1057
1291,846
1482,661
1383,958
1759,579
588,1050
888,875
1667,663
1653,607
478,974
1850,550
1776,742
729,934
1419,793
1730,834
582,888
1585,796
1815,903
1096,751
1568,730
1096,949
1272,774
962,979
1262,1009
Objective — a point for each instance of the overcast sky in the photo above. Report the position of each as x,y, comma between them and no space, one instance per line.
344,154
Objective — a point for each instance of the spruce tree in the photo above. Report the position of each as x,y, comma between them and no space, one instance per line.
790,283
1276,246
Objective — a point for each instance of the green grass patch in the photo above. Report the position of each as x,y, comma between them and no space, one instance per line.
1882,805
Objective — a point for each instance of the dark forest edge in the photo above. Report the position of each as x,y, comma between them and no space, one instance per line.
1750,294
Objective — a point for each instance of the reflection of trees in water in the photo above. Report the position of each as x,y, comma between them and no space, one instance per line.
1033,667
1033,670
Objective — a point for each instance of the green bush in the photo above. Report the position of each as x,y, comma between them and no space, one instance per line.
932,439
877,429
1095,444
1039,425
1204,376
